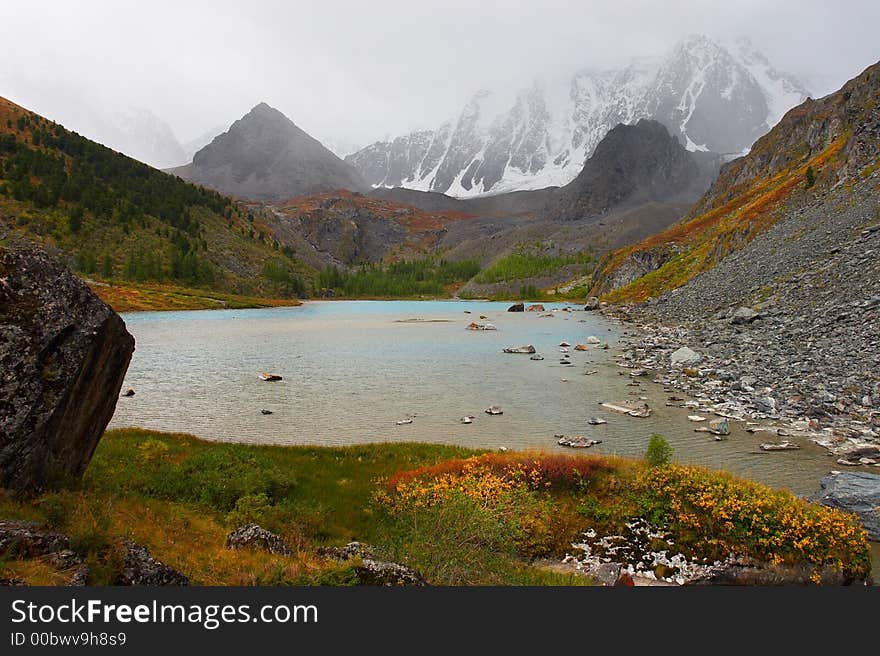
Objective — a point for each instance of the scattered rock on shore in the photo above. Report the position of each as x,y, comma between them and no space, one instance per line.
684,357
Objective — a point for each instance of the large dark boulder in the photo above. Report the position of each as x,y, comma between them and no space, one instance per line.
856,492
63,356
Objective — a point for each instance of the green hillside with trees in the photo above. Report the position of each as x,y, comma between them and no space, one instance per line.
114,219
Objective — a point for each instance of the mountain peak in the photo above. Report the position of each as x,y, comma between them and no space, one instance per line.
265,156
633,164
265,109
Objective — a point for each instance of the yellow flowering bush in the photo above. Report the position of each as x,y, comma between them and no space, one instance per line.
746,517
532,504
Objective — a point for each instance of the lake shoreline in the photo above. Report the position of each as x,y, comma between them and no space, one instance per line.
712,377
156,297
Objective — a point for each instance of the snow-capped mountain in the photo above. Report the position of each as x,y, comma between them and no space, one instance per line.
140,134
711,96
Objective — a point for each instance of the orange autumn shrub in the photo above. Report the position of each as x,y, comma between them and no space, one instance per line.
544,469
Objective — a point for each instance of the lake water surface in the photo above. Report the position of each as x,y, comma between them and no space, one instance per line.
352,369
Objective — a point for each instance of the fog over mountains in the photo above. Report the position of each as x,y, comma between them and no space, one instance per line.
713,97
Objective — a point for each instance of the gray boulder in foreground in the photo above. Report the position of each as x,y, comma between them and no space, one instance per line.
141,569
252,536
744,315
685,356
856,492
371,570
63,357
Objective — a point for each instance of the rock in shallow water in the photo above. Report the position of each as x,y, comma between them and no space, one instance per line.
528,348
63,357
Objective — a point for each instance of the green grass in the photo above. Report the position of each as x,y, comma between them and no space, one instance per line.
479,523
410,278
110,217
180,496
327,488
529,263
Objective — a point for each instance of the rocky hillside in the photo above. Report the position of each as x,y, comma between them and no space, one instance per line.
110,217
265,156
710,96
819,146
343,229
774,280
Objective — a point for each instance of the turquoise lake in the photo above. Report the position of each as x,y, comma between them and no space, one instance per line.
352,369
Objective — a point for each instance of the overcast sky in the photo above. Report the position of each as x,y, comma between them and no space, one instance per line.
359,70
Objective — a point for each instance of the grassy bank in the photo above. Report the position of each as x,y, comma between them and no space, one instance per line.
457,515
129,297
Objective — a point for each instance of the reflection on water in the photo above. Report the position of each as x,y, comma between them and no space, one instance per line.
352,369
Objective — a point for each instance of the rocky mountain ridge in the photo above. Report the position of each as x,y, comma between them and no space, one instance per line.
816,147
711,97
634,164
